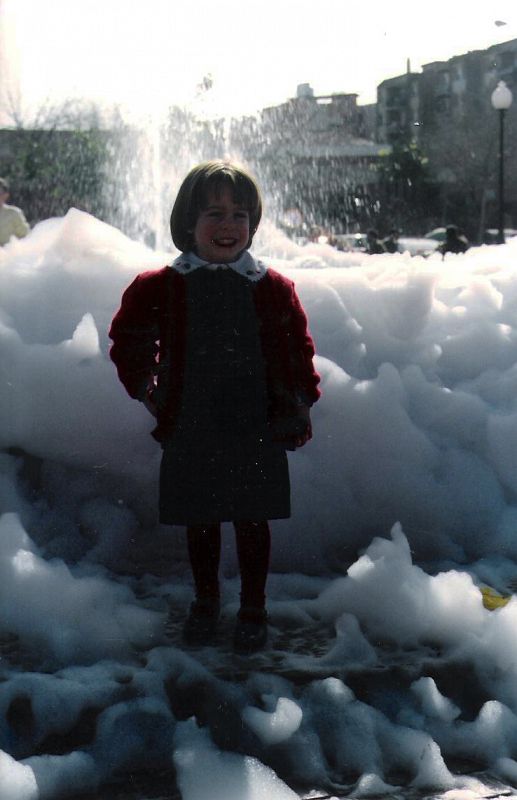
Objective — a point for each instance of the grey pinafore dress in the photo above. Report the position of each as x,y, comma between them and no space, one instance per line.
220,463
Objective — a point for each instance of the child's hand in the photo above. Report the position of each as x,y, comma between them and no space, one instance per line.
304,412
148,400
150,405
294,431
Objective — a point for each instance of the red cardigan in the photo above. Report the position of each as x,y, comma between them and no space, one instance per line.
148,333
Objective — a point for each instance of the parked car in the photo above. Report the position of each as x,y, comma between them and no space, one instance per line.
418,246
356,242
491,234
437,235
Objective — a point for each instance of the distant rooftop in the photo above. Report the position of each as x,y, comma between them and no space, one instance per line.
352,148
304,91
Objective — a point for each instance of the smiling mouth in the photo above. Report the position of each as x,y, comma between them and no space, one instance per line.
224,242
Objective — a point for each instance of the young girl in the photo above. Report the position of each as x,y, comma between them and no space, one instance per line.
217,348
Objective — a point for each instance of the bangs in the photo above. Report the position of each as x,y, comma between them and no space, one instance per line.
242,191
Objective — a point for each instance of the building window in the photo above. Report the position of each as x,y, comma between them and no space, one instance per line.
394,97
506,59
443,82
443,105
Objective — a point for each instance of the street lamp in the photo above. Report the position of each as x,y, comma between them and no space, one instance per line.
501,101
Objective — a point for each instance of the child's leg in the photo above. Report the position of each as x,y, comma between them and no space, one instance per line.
253,550
204,549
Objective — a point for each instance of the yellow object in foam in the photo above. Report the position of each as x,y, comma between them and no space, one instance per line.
493,600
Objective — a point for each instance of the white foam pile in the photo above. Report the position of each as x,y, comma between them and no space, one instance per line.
404,505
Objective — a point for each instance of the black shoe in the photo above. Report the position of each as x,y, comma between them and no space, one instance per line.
201,624
250,632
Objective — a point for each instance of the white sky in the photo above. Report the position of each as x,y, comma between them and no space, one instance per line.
151,54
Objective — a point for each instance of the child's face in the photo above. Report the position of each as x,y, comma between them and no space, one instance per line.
222,228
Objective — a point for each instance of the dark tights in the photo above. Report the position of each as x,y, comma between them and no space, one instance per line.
253,549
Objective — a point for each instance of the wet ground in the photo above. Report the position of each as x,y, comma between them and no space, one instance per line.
158,787
375,685
300,655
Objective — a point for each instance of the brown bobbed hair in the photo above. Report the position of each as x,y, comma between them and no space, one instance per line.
209,178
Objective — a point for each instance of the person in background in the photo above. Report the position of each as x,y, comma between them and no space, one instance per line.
12,219
217,348
373,245
391,242
454,241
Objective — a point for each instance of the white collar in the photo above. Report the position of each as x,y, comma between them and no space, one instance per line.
246,266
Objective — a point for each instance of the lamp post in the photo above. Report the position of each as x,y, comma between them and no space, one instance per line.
501,101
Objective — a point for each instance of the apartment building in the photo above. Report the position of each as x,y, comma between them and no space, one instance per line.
398,108
445,91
